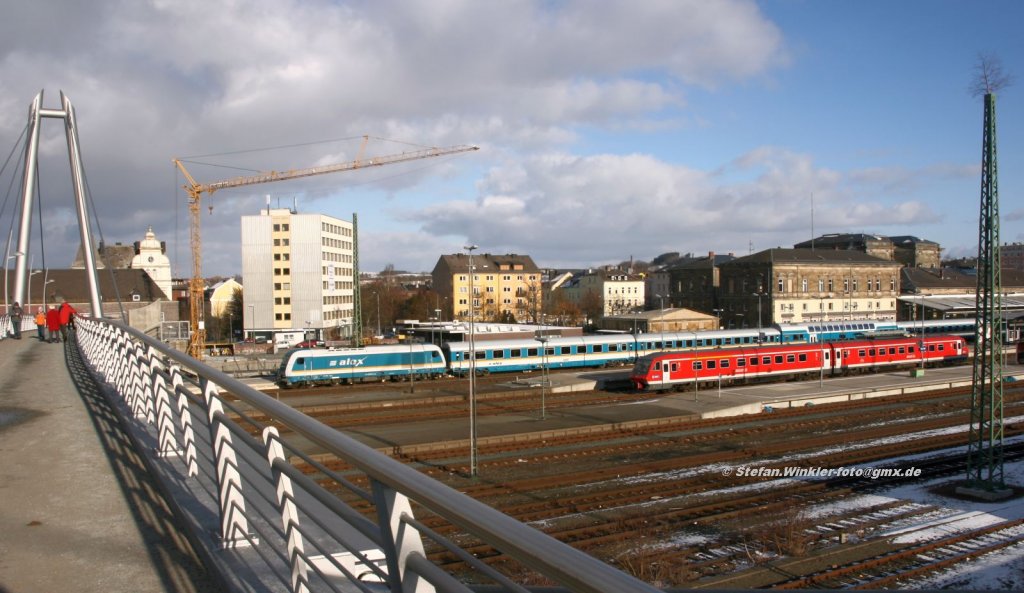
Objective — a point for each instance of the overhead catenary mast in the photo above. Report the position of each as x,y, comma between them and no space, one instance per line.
985,446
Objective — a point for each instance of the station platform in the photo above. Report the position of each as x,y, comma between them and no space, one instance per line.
706,403
79,511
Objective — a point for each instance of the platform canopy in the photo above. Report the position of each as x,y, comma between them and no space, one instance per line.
963,305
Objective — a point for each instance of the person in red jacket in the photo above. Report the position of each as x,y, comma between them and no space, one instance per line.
67,319
53,323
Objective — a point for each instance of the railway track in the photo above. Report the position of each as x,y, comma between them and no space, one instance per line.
632,487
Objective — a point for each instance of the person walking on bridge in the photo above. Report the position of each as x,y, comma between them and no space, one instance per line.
67,319
16,321
53,323
41,324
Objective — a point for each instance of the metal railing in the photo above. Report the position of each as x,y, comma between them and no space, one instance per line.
272,517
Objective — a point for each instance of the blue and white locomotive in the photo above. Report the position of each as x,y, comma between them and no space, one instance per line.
323,366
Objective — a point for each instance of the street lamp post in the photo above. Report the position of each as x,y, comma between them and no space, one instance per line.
472,365
693,365
377,296
28,298
252,317
758,294
543,339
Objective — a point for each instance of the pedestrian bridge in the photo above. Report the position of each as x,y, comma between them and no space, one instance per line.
231,507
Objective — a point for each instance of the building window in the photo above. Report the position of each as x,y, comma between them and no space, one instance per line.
782,284
821,285
830,285
803,285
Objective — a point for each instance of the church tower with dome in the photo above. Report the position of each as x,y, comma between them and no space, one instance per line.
150,256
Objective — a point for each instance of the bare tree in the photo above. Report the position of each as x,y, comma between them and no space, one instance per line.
989,76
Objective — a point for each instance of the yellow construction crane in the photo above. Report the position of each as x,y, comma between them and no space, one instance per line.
197,339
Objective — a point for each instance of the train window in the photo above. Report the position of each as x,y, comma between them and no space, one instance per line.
712,363
766,360
498,354
657,366
861,353
741,362
828,356
531,352
568,350
803,358
871,352
300,361
549,351
790,358
902,350
517,353
778,359
675,367
910,349
657,345
480,354
931,347
724,364
892,350
753,361
697,365
942,347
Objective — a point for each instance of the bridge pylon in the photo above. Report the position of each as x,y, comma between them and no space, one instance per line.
35,114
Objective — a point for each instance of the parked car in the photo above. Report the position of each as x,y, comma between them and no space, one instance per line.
310,344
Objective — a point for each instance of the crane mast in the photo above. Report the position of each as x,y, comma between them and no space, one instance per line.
197,337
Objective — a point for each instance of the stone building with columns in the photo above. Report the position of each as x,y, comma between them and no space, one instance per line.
803,285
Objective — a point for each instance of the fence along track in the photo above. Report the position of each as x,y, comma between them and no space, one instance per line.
264,524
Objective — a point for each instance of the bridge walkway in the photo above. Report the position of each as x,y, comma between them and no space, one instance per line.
78,510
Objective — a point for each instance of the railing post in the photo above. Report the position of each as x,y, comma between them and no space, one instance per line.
234,526
400,540
185,413
167,442
289,513
142,379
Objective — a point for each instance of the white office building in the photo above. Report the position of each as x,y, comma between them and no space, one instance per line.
298,273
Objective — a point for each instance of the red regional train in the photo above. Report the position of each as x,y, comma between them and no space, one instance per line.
680,370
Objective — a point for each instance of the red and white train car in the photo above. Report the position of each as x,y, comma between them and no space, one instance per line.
677,370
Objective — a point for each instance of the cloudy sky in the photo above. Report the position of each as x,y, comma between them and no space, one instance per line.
607,130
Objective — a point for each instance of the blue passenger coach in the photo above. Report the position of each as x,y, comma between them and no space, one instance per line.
830,331
349,365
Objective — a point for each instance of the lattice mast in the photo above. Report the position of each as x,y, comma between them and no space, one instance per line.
985,449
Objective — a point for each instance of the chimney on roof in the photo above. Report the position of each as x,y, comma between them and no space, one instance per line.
711,255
